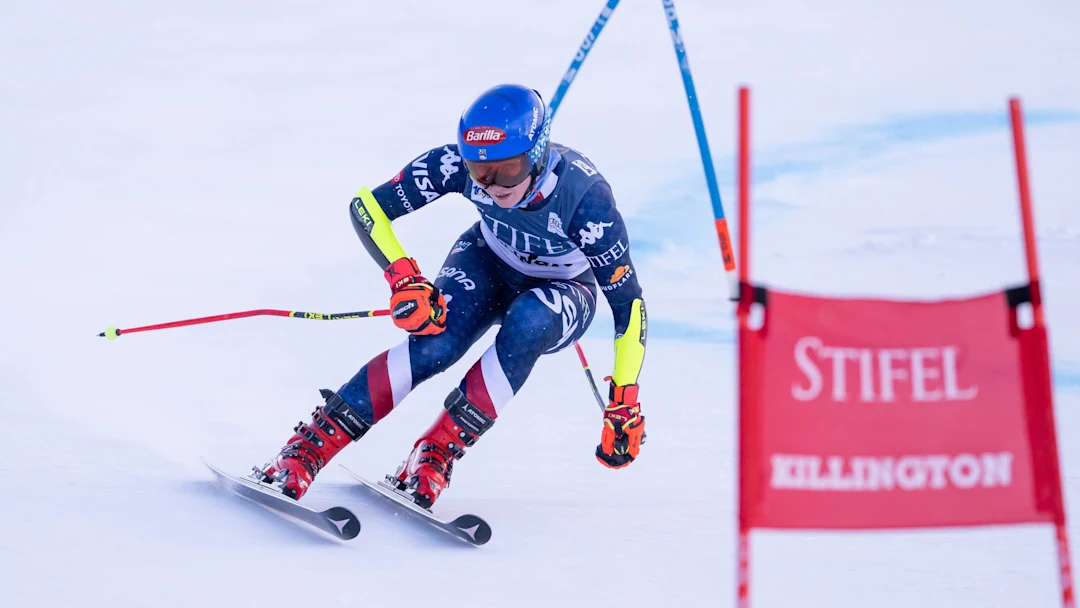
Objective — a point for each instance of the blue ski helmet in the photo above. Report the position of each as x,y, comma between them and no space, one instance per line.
503,136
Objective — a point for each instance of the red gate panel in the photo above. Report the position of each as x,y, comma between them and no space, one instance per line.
883,414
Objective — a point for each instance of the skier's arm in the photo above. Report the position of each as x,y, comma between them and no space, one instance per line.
599,230
433,174
601,234
373,227
415,303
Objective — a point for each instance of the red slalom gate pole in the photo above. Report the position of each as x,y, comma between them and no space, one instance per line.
744,189
742,542
1027,217
113,333
1068,599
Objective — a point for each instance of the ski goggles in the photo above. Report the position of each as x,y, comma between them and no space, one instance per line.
507,172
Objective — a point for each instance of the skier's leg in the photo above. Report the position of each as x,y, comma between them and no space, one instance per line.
539,321
473,290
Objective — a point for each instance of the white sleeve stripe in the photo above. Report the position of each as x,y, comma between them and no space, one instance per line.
498,386
399,368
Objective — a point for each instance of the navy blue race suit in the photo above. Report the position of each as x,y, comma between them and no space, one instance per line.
533,271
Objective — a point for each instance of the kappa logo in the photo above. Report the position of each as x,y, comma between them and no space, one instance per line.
586,169
479,136
449,165
593,232
555,224
460,246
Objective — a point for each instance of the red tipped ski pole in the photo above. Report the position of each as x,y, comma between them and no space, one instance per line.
113,333
592,384
588,374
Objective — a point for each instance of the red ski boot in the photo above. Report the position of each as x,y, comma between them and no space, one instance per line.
426,472
333,426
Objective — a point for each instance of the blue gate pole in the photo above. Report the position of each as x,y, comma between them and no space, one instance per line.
583,52
706,158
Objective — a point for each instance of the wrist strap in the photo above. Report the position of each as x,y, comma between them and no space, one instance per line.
623,395
400,271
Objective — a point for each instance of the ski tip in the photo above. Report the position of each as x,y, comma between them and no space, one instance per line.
351,472
218,473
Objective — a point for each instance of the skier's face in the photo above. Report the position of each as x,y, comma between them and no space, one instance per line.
506,180
508,197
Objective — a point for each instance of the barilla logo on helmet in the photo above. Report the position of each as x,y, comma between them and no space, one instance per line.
482,136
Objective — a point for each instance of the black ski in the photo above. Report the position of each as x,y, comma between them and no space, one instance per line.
338,522
468,528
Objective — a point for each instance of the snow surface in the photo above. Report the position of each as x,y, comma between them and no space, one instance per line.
165,161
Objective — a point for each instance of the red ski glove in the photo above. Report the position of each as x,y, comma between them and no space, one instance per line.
415,304
624,427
